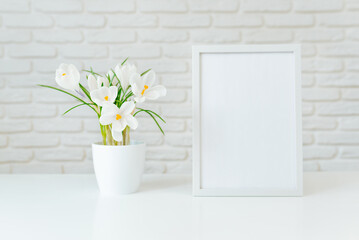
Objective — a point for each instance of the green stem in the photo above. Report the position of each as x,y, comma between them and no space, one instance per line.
103,133
126,136
109,135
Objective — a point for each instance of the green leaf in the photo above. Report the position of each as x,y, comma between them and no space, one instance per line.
115,75
153,113
60,90
130,94
85,91
92,72
124,61
120,89
158,125
150,113
82,104
145,72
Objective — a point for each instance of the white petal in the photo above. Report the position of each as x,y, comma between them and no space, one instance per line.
123,80
75,76
117,135
97,97
107,119
136,79
130,68
149,78
108,114
119,125
66,82
109,109
102,82
92,82
75,72
112,93
155,92
136,89
131,121
125,73
137,84
139,99
127,108
117,68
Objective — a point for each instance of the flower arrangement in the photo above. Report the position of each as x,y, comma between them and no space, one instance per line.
113,97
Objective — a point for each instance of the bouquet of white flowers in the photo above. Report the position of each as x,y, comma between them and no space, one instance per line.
112,97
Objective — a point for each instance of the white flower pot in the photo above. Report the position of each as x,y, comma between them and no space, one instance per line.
118,169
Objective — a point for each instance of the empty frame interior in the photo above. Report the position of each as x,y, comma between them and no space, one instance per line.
248,122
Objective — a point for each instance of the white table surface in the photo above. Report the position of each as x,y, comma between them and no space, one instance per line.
67,207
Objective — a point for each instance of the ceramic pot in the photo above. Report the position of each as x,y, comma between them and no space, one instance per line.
118,169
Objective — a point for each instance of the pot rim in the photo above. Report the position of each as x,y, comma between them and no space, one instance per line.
133,143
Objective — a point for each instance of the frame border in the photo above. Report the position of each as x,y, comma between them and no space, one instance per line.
196,113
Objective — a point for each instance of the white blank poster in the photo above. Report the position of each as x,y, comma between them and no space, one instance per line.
248,122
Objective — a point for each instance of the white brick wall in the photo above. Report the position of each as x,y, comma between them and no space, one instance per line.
37,35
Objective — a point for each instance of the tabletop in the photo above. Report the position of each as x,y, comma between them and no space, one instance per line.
70,207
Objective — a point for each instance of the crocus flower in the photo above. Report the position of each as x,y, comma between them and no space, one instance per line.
119,118
143,88
104,95
95,84
124,73
68,77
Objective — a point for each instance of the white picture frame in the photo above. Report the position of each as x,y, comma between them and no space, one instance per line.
247,121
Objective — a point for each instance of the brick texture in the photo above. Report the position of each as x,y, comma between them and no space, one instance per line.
37,35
